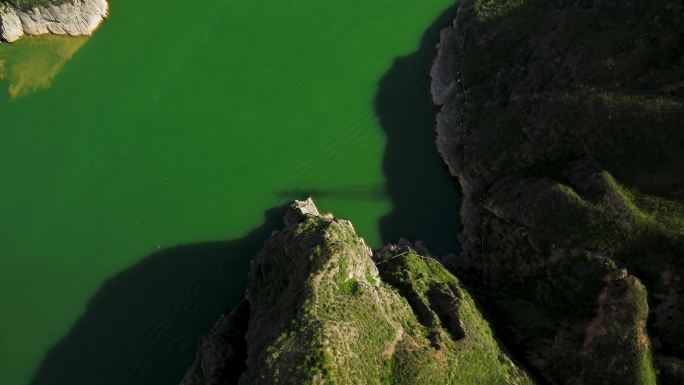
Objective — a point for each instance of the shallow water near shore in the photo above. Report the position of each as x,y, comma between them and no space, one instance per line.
142,167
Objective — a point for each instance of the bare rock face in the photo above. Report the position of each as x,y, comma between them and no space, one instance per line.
80,17
10,24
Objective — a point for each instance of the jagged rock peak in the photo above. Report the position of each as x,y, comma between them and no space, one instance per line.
299,210
322,312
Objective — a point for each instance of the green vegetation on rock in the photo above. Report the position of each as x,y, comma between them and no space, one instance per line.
322,313
495,9
452,322
563,121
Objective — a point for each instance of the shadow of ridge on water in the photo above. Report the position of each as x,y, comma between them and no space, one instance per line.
141,327
367,192
426,199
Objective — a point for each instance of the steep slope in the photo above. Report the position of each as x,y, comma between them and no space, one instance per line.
563,121
322,313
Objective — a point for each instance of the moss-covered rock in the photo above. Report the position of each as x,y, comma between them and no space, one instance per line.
564,124
462,349
321,313
616,347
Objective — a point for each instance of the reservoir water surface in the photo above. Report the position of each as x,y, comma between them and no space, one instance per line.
141,168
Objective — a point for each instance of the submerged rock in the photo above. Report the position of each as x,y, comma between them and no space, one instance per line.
322,312
74,18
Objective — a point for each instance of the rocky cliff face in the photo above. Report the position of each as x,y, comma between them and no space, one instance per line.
80,17
322,309
563,121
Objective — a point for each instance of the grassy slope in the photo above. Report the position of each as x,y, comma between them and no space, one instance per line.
462,333
322,314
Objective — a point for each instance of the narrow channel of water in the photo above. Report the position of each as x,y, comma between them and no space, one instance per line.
141,168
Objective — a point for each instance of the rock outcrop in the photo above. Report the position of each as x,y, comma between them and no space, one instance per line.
616,348
563,122
324,310
74,18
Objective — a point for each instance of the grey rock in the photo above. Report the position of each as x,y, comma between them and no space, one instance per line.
80,17
298,210
10,25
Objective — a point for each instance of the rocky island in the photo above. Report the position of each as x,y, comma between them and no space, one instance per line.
562,121
60,17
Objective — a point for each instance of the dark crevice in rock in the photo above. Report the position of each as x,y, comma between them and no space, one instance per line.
445,303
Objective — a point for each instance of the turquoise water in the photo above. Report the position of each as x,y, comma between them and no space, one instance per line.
142,167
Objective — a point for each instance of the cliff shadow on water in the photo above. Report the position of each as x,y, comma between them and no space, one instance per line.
425,198
142,326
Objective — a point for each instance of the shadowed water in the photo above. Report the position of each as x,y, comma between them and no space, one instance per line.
141,327
425,199
371,192
145,139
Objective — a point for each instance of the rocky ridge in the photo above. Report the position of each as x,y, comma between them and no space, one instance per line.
562,121
73,18
323,309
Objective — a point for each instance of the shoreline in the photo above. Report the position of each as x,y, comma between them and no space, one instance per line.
76,18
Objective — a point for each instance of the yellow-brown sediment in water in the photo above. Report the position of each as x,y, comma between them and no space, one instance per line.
31,64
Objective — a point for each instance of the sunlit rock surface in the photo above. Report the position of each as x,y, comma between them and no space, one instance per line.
74,18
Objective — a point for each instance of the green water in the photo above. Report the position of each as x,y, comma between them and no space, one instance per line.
138,167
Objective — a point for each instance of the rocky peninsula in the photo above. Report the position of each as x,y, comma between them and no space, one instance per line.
71,17
322,308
